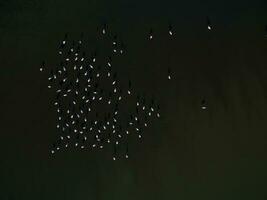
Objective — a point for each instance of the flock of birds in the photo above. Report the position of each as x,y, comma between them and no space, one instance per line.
93,107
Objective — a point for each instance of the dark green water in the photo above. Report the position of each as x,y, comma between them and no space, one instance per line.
189,154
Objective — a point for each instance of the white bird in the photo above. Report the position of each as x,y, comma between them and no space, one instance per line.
169,74
208,24
104,29
203,105
170,30
150,34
